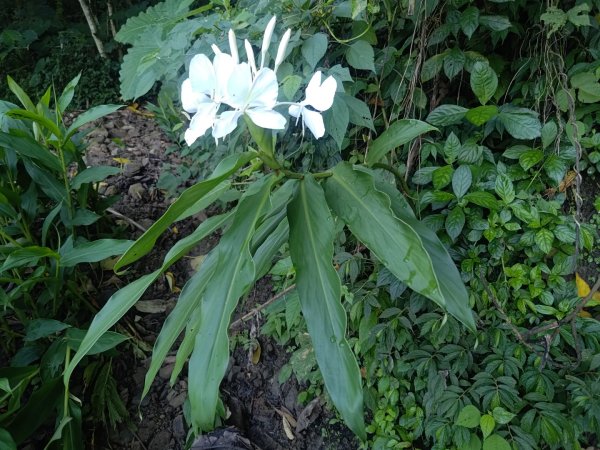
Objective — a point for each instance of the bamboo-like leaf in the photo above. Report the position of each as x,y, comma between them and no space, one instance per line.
233,277
25,145
20,94
319,290
122,300
180,207
420,263
90,252
37,118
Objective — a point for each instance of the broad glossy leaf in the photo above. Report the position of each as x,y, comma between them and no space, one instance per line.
461,181
399,133
40,328
496,442
455,222
180,207
233,277
530,158
495,23
318,284
442,176
484,82
122,300
520,123
445,115
360,55
487,424
544,239
454,62
469,20
393,239
549,133
6,440
468,417
314,48
504,188
482,114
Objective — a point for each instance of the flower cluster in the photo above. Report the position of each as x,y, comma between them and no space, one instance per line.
218,93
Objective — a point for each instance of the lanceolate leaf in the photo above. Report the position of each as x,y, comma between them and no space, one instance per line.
233,277
122,300
451,285
178,318
318,284
399,133
180,207
366,211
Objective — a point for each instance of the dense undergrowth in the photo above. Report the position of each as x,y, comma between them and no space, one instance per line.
511,93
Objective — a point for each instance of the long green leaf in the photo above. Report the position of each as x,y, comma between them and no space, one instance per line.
366,211
21,95
122,300
319,289
26,146
233,277
89,116
187,199
451,285
176,321
90,252
37,118
399,133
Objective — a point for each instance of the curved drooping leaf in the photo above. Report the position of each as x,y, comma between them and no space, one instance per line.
319,290
89,116
122,300
234,274
90,252
451,285
399,133
415,257
180,207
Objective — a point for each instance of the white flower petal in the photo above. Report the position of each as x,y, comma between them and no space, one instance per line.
250,56
189,98
265,90
225,124
201,121
239,86
320,96
267,40
295,110
224,66
314,121
267,118
282,48
202,74
233,47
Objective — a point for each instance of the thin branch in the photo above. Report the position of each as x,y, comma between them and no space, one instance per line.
85,7
262,306
126,219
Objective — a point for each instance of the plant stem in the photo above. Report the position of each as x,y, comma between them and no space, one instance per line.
66,397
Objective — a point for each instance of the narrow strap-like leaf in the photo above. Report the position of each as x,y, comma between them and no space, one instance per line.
187,199
318,284
234,275
122,300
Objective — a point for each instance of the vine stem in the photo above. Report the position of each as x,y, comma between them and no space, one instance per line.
262,306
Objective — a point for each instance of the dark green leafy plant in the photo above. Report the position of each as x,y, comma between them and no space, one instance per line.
47,208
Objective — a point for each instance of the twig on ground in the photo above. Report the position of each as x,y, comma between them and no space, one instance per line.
127,219
262,306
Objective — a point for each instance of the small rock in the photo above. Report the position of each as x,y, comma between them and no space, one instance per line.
137,191
160,441
176,400
111,190
132,168
165,371
109,124
179,432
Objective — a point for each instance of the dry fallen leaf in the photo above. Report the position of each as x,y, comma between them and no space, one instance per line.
122,161
308,415
287,428
583,290
196,262
171,281
152,306
256,353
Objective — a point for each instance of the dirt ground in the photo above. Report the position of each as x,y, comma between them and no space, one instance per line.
257,403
